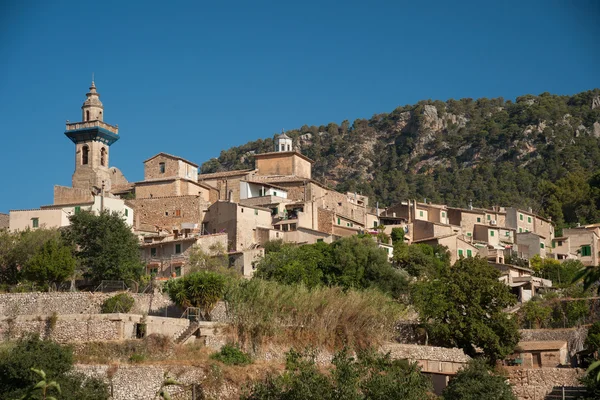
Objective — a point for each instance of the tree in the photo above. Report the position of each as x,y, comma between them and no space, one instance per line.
477,381
464,308
536,313
53,263
44,387
213,260
108,249
199,289
56,361
421,260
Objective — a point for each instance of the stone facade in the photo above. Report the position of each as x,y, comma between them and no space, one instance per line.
170,211
164,165
170,187
536,384
4,221
284,163
67,195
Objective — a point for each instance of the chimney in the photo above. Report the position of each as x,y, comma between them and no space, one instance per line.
470,204
530,210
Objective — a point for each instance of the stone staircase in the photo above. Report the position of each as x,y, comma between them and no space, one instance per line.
566,393
186,334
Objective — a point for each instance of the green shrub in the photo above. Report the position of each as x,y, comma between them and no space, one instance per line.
122,302
231,355
137,358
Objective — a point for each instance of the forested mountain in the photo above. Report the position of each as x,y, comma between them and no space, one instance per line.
538,151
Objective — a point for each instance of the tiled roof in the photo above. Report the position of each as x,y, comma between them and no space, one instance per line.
224,174
172,156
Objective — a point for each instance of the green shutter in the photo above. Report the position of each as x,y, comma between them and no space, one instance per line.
492,233
586,250
78,209
177,271
153,252
529,219
541,245
521,217
489,217
35,222
178,248
420,213
443,214
478,219
469,253
460,252
339,221
468,233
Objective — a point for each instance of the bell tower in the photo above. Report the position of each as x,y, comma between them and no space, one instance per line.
92,138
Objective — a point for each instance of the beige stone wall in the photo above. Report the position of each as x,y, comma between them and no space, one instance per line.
172,168
325,220
421,230
70,328
306,236
579,237
283,163
162,211
248,220
175,187
21,220
4,221
532,242
93,173
67,195
536,384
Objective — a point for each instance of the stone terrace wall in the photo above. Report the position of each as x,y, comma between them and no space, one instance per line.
133,382
536,384
13,304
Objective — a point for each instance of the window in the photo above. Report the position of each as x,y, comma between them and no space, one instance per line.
161,167
529,219
560,243
242,208
319,240
35,222
521,217
153,252
492,233
489,217
460,252
87,115
178,213
541,245
177,271
255,212
274,193
374,224
520,230
443,214
85,154
339,221
103,156
153,271
78,209
478,219
178,248
469,253
586,250
420,213
469,234
126,212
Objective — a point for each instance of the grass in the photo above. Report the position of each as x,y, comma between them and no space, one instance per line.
231,355
263,311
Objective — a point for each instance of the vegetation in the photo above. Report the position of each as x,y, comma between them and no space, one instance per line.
478,381
199,289
421,260
107,248
561,274
464,306
17,377
370,376
232,355
571,307
351,262
329,316
214,260
53,263
530,152
120,303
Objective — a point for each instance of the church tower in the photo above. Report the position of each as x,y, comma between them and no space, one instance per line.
283,143
92,137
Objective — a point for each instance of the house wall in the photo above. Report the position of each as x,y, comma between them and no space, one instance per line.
466,219
306,236
579,237
67,195
162,211
20,220
173,168
283,163
532,241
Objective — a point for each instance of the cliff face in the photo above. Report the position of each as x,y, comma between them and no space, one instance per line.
489,150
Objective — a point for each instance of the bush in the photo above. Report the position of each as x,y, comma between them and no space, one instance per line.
55,360
122,302
231,355
199,289
476,382
137,358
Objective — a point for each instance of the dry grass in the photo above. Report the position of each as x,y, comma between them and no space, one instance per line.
263,311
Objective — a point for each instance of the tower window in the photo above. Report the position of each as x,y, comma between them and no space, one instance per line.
161,167
103,157
87,115
85,152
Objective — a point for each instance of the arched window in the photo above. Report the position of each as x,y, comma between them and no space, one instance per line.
84,155
288,147
103,157
87,115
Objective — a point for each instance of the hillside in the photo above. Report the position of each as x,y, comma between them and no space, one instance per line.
538,151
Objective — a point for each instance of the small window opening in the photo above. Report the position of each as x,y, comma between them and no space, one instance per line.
161,167
85,152
87,115
103,157
140,331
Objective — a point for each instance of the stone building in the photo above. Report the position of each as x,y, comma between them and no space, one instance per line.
4,221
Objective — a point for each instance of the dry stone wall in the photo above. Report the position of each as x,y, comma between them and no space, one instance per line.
536,384
575,337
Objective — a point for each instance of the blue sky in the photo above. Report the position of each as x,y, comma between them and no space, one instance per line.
194,78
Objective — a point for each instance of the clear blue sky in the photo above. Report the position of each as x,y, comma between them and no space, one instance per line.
193,78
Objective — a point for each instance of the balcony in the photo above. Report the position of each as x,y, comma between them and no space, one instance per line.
75,126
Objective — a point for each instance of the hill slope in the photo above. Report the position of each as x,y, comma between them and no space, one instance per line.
539,151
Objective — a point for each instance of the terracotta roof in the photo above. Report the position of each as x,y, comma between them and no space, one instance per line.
224,174
435,237
173,157
538,346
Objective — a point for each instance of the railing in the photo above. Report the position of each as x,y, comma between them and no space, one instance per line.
193,314
111,286
72,126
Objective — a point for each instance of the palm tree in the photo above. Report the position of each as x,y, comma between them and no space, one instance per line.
589,275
